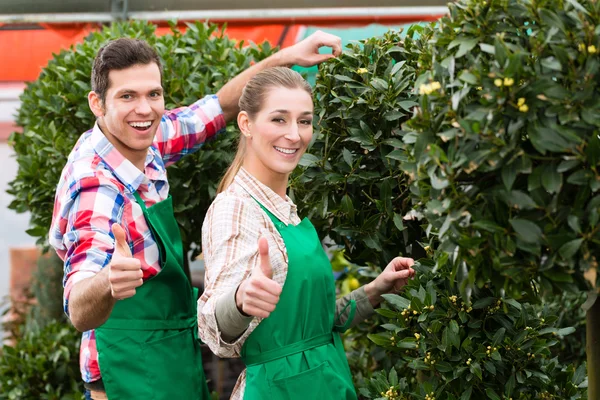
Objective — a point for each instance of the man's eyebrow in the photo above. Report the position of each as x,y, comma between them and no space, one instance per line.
129,91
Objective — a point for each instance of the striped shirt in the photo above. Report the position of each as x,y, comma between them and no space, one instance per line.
96,190
230,233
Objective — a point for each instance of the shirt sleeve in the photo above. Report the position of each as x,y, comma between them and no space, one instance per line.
89,209
184,130
364,308
230,246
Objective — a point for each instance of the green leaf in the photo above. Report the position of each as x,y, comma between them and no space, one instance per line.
347,206
578,6
393,377
466,45
509,174
347,157
527,231
487,48
475,369
468,77
379,339
466,395
566,331
484,302
344,78
407,105
489,226
379,84
454,327
399,302
510,385
309,160
551,179
489,391
568,250
398,222
551,63
498,337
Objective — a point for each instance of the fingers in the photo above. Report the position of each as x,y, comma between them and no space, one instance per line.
329,40
402,263
263,253
263,286
124,282
121,245
124,276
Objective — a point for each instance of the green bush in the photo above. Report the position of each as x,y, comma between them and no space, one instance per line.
44,364
47,289
54,112
352,187
457,139
503,151
491,348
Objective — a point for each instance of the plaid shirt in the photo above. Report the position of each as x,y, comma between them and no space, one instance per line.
96,190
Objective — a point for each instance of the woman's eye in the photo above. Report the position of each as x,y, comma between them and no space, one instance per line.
306,122
154,94
279,120
126,96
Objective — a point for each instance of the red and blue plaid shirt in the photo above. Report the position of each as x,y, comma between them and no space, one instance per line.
96,190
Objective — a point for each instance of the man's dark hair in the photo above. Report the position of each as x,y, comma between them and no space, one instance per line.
117,55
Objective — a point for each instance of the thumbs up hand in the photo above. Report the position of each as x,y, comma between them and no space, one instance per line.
125,272
258,295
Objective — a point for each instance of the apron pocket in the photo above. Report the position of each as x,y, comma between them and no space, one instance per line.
309,384
174,366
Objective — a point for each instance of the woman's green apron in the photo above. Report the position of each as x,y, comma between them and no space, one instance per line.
149,348
296,353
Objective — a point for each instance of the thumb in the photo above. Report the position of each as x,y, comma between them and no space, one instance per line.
263,253
121,246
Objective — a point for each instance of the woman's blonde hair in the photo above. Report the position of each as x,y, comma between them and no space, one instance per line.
252,100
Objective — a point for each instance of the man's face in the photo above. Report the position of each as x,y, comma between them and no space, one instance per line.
131,113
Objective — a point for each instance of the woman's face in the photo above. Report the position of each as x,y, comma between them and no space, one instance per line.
279,133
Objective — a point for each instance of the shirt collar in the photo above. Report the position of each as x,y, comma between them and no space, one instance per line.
122,168
280,208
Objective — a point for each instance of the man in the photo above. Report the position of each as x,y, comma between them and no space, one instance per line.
114,228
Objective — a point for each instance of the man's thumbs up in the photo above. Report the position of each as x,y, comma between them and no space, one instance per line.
259,294
121,246
125,272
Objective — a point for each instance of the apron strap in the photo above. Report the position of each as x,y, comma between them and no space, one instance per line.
288,350
139,200
150,325
343,328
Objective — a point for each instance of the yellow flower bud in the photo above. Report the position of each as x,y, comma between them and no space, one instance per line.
508,81
521,101
592,49
498,82
362,71
524,108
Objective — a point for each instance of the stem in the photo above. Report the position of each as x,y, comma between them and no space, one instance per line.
593,350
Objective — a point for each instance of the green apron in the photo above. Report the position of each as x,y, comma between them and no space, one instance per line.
148,348
296,352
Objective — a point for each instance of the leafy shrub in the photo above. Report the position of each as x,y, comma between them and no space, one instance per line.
459,148
492,348
503,151
44,364
352,187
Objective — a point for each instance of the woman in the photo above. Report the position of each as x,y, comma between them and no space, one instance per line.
270,293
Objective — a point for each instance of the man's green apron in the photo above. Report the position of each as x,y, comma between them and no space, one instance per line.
296,353
148,348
